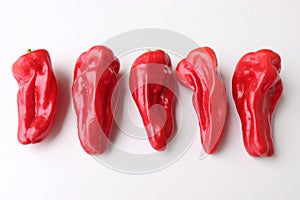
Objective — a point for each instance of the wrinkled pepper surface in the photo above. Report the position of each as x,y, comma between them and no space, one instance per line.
95,79
256,89
152,85
37,95
198,71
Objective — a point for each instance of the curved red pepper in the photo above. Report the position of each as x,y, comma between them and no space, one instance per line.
95,78
256,89
37,95
152,86
198,71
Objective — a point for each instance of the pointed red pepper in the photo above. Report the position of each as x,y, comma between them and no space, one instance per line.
198,71
256,89
37,95
95,78
152,86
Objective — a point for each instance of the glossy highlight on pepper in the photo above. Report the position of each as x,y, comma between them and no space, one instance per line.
95,78
198,71
37,95
256,89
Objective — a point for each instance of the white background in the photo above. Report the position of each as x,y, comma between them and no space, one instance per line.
59,169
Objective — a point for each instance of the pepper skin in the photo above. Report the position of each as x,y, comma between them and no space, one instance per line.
198,71
95,78
37,95
256,89
152,85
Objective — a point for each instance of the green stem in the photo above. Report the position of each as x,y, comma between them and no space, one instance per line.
28,50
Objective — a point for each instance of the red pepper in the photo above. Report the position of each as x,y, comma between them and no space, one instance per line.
256,89
37,95
198,71
95,78
152,86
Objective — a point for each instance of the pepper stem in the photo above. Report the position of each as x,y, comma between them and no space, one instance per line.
28,50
